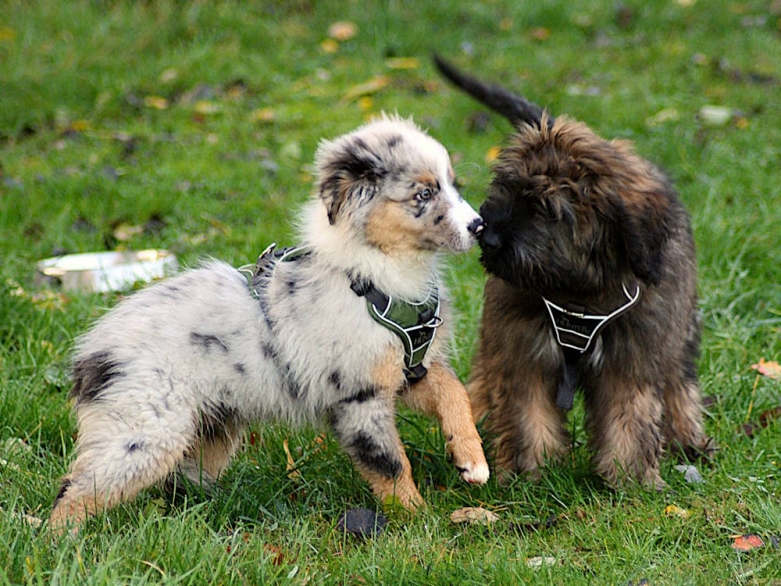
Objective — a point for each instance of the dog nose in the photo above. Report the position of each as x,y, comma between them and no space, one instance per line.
476,227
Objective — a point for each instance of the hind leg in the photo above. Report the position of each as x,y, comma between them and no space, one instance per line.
115,461
206,460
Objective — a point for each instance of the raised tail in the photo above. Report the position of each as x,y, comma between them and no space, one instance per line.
513,107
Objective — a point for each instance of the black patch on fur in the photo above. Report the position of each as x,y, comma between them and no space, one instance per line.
269,352
240,368
207,342
336,380
291,287
361,396
370,454
134,447
439,219
354,172
394,140
293,388
63,489
93,374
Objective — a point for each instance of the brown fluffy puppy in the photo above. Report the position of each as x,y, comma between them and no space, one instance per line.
593,283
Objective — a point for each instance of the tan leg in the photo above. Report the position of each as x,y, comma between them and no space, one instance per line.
442,395
625,423
530,430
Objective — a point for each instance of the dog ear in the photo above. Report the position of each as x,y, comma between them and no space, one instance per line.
350,173
645,229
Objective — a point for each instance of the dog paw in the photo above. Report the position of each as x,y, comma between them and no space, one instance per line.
477,474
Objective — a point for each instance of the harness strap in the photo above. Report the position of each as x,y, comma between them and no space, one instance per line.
576,329
414,323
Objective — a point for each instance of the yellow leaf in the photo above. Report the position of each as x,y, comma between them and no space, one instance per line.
343,30
674,511
329,46
492,154
156,102
402,63
206,107
291,464
365,103
263,115
368,87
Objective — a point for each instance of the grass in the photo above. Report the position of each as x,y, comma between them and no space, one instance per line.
198,121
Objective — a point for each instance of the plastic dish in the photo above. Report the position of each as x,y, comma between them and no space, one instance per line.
106,271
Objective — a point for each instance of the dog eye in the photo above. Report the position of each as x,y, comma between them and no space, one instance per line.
424,195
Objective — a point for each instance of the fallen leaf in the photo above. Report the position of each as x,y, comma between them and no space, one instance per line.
368,87
492,154
276,554
690,473
473,516
402,63
675,511
206,107
715,115
262,115
124,232
156,102
362,522
540,33
343,30
329,46
746,542
770,369
662,116
541,561
169,75
290,467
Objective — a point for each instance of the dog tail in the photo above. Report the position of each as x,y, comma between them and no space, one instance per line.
513,107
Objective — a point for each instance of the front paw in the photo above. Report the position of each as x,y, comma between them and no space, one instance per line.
469,460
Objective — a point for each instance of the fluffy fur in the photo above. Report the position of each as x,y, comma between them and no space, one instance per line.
573,217
168,379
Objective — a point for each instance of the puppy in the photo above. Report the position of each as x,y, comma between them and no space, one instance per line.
167,381
592,284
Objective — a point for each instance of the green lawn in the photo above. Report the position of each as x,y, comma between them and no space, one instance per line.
196,122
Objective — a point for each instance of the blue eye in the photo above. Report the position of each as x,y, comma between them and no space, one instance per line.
424,195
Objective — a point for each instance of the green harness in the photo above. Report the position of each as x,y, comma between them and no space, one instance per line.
414,323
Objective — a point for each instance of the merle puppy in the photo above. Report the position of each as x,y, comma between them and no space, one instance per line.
592,285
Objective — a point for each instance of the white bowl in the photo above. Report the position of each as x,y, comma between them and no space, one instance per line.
106,271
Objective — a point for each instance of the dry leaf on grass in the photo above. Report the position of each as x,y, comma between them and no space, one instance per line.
746,542
343,30
770,369
368,87
473,516
675,511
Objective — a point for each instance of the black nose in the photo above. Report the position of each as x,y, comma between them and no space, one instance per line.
476,227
